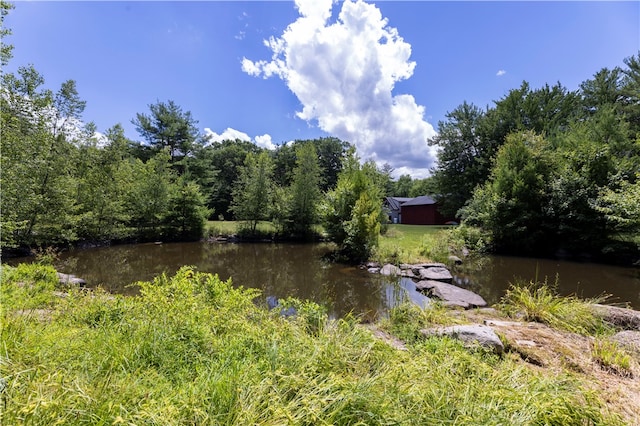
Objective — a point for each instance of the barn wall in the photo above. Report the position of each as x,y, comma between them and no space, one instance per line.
421,215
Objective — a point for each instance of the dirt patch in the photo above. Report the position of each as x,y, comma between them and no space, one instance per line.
555,350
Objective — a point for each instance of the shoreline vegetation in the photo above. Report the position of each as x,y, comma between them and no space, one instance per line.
192,349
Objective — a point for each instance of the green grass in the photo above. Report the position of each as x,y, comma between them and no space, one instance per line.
406,244
192,349
539,302
611,356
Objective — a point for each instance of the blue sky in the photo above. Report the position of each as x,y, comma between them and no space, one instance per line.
380,75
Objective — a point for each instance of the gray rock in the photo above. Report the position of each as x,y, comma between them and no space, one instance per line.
373,270
429,265
68,279
436,273
627,319
628,339
470,336
408,273
452,295
455,260
390,270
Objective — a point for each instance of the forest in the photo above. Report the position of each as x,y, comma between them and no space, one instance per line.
542,171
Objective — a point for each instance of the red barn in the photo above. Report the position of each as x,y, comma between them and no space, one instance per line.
421,211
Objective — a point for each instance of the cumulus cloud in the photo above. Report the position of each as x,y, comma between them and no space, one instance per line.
228,134
500,73
344,73
263,141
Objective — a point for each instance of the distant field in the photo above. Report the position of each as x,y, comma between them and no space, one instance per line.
404,243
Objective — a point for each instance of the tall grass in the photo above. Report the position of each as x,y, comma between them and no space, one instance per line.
195,350
539,301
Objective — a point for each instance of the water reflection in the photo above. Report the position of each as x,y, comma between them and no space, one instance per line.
279,270
492,275
298,270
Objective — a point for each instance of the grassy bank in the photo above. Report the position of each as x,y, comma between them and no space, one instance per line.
192,349
413,244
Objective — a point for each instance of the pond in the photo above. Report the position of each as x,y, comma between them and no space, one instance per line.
299,270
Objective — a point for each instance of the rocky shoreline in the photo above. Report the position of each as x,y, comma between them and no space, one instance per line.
434,280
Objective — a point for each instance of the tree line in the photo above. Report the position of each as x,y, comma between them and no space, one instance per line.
548,169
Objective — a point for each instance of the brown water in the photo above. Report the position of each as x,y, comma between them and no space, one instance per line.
279,270
298,270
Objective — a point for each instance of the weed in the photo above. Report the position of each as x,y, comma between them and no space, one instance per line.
610,356
539,302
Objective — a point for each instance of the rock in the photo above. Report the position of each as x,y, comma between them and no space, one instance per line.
373,270
452,295
455,260
436,273
390,270
370,265
470,335
627,319
429,265
68,279
408,273
382,335
628,339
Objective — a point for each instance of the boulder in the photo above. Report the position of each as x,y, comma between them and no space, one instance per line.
470,336
408,273
628,339
373,270
623,318
436,273
71,280
451,295
390,270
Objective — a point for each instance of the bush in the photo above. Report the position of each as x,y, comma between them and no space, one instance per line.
539,302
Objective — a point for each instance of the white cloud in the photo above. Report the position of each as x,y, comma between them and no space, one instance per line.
263,141
228,134
501,73
343,74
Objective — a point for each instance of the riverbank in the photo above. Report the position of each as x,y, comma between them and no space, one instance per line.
194,349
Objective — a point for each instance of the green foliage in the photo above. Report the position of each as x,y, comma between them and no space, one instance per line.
29,286
352,213
511,203
187,212
539,302
5,48
193,349
168,127
611,356
302,211
253,192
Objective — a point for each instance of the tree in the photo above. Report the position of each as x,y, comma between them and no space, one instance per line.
402,187
102,211
252,193
168,127
352,212
148,191
187,211
37,156
5,49
464,158
510,204
305,192
223,160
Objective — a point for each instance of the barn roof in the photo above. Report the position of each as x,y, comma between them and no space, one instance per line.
423,200
395,202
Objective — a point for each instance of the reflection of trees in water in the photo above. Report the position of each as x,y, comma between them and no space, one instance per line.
492,276
279,270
